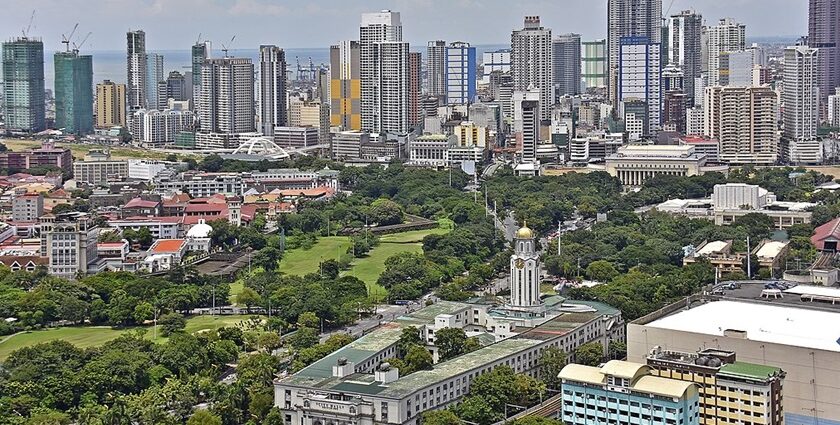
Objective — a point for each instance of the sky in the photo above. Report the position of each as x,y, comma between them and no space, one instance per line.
176,24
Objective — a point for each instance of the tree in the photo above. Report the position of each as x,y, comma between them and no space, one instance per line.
385,212
203,417
418,358
303,337
143,312
757,225
451,343
270,341
49,418
536,420
478,410
440,417
171,323
551,362
409,337
249,298
268,258
601,271
616,350
309,320
330,269
590,354
274,417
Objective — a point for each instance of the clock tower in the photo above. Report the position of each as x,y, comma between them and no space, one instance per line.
524,270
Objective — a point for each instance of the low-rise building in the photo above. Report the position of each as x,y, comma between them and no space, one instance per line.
719,254
296,137
27,207
68,241
633,164
98,169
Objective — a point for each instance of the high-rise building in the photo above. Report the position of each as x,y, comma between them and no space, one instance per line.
436,68
345,86
74,92
177,87
727,36
200,53
801,99
23,85
639,79
736,68
415,86
630,18
566,64
594,63
110,104
226,102
385,73
530,130
824,34
154,75
460,73
743,121
673,112
531,60
684,51
834,108
496,60
136,69
153,127
273,111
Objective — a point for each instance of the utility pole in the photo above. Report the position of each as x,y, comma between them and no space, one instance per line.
559,226
749,265
213,312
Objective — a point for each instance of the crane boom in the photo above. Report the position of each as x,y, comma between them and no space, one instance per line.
82,43
29,26
66,40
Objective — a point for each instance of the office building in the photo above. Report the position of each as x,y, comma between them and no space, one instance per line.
566,64
153,127
594,63
28,207
226,101
824,34
23,85
469,134
684,51
415,87
98,169
385,73
74,92
347,144
800,98
310,113
730,390
736,68
345,86
727,36
639,79
530,130
625,393
673,112
834,109
200,52
436,68
531,62
496,60
110,104
743,121
272,89
460,73
633,164
629,18
430,150
69,242
295,137
178,87
673,79
136,70
155,97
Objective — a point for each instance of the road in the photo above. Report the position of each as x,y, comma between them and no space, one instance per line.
386,311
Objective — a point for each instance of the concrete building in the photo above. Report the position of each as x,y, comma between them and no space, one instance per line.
834,108
801,99
99,169
347,144
430,150
69,242
496,60
727,36
639,79
460,73
824,34
226,102
531,62
199,53
23,85
415,87
784,331
385,74
147,169
436,69
469,133
345,86
629,18
272,89
28,207
310,113
178,87
594,63
530,130
154,127
743,121
50,155
566,64
110,104
684,51
625,393
296,137
736,68
74,92
673,111
155,97
633,164
136,70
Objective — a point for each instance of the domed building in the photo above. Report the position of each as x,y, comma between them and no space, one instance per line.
525,269
198,237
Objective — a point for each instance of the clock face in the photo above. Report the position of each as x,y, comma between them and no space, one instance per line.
520,263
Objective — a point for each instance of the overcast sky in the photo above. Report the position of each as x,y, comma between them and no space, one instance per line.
175,24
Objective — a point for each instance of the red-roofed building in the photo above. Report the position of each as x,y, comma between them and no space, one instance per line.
141,207
321,192
827,236
165,254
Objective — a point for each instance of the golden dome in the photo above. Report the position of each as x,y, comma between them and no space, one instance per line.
524,232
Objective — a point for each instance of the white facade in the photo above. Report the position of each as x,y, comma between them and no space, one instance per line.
741,196
430,150
834,109
272,89
155,99
436,68
69,242
525,270
460,73
743,120
737,68
530,130
384,69
159,127
144,169
498,60
727,36
639,78
801,99
629,18
226,99
531,61
694,121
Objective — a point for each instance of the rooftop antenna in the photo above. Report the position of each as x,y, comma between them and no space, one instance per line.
29,26
66,40
82,43
225,48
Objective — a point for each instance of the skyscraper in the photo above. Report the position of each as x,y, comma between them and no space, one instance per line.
345,86
743,121
726,36
415,86
226,102
385,74
436,68
154,75
566,64
136,72
801,105
74,92
824,34
200,53
272,89
531,61
639,79
684,48
460,73
630,18
177,87
530,130
594,63
110,104
23,85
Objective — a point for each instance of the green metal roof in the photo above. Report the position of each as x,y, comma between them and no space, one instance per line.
749,370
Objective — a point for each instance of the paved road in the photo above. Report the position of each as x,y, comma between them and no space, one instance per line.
386,311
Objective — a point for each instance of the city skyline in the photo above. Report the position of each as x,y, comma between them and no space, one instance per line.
256,22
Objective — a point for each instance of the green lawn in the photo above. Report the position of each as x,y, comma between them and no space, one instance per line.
304,261
80,150
235,289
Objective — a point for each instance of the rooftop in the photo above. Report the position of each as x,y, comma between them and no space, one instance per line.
643,382
749,370
771,249
167,245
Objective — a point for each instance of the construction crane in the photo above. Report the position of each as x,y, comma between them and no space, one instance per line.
66,40
667,11
25,31
225,48
82,43
198,40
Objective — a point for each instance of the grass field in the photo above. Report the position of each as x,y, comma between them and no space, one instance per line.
304,261
92,336
80,150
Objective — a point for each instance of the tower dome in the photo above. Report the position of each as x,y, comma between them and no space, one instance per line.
524,232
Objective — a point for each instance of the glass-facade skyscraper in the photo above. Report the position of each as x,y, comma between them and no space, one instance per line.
74,92
23,85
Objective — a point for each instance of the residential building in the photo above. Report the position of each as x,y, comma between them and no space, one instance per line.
436,79
594,63
629,18
566,64
110,104
345,86
99,169
639,79
415,87
136,70
468,133
154,127
673,79
69,242
155,97
49,155
703,146
834,109
684,47
730,390
226,102
531,62
385,73
625,393
28,207
824,34
272,89
743,120
201,185
673,112
495,61
460,74
74,92
694,121
801,99
727,36
530,130
200,52
736,68
23,85
310,113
